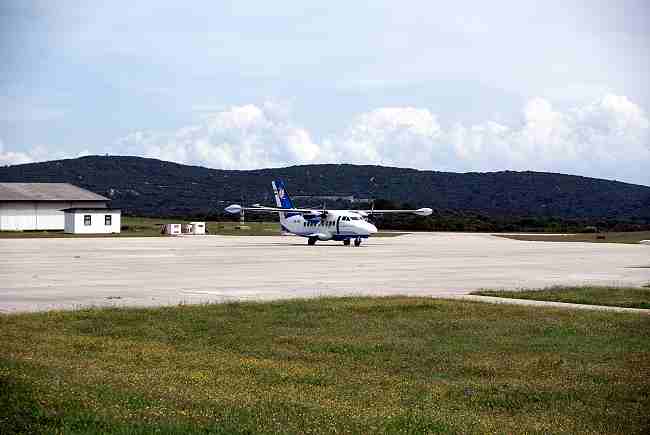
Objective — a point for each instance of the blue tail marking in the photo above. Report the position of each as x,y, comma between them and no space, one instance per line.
285,201
283,197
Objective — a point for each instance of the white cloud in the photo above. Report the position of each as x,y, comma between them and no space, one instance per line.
605,138
241,137
12,158
608,137
37,153
401,136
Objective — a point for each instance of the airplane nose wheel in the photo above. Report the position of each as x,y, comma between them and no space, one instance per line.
357,241
311,241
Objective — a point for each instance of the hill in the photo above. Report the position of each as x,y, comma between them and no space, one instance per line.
150,187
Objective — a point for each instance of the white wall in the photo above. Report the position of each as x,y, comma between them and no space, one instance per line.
38,215
198,227
17,216
74,222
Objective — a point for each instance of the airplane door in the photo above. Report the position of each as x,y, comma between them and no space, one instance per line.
338,221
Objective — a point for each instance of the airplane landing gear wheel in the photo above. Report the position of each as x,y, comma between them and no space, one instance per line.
346,242
357,242
311,241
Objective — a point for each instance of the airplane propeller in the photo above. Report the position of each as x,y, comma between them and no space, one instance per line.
323,213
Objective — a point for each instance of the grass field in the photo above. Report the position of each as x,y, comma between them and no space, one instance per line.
150,227
351,365
631,297
627,237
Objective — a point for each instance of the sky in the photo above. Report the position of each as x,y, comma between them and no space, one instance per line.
556,86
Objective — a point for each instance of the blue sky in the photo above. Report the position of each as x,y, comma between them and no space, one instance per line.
458,86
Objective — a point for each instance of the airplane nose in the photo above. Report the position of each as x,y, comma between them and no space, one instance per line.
372,229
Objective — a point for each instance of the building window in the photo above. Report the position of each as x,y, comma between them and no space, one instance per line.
87,220
107,220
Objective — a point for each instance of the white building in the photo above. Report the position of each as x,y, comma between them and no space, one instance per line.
193,228
38,206
92,220
198,227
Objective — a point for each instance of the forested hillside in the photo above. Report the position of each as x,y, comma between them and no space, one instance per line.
472,201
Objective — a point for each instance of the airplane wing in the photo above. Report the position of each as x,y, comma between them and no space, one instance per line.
420,211
236,208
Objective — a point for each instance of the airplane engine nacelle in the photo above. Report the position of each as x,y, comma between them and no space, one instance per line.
235,208
324,236
423,211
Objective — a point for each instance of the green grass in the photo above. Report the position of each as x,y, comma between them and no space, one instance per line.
623,237
628,297
150,227
351,365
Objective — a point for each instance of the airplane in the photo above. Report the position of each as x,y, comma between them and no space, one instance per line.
321,224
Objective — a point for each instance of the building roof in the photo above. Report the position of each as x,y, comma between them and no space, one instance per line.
46,192
89,210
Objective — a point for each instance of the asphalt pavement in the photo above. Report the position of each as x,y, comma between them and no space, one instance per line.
42,274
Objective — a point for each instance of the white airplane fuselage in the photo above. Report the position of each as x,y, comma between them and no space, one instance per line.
333,225
321,224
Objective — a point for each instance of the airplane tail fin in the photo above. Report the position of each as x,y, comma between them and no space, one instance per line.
282,200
